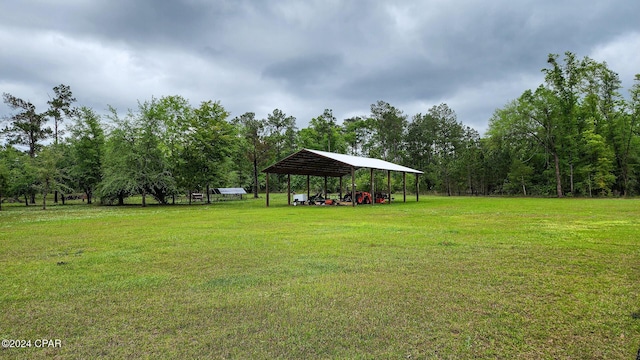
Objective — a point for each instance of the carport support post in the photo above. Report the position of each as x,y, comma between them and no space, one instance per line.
373,195
267,189
389,185
417,187
288,189
308,188
353,186
325,187
340,194
404,186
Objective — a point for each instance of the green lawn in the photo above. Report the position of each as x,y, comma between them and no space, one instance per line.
443,278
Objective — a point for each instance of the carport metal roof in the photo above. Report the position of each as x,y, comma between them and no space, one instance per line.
322,163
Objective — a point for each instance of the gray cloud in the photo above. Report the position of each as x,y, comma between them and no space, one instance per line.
305,71
303,57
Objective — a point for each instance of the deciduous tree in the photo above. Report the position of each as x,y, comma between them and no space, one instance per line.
254,143
86,150
118,175
4,177
51,175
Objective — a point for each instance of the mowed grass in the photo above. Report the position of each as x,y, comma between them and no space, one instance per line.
445,278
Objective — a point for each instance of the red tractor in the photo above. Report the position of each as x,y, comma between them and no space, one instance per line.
381,198
362,197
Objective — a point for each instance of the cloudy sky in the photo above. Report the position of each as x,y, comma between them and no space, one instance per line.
305,56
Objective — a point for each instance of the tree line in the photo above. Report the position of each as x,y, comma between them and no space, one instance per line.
574,135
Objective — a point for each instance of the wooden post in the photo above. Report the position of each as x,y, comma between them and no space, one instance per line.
267,189
340,194
389,185
373,195
404,186
353,186
308,188
325,187
417,187
288,189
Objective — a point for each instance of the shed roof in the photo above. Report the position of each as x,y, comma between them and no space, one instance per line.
229,191
322,163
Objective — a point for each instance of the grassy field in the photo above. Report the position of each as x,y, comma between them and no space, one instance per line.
445,278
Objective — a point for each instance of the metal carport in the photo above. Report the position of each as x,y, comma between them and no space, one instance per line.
321,163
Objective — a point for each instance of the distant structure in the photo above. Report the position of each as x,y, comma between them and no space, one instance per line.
328,164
